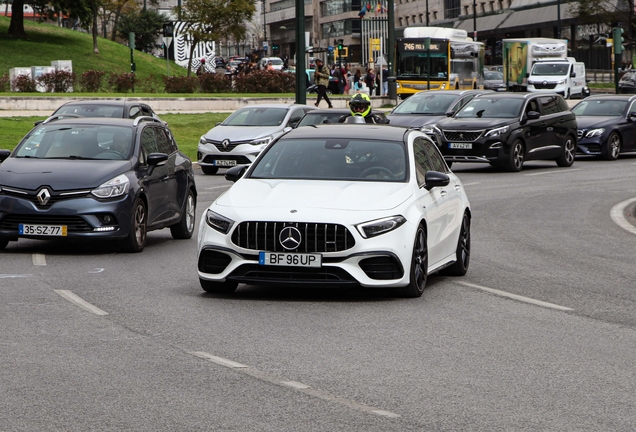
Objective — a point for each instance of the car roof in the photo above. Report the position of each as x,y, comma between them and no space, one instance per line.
275,105
346,130
610,97
454,92
514,95
111,121
337,111
104,102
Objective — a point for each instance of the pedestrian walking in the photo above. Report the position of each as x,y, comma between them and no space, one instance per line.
321,76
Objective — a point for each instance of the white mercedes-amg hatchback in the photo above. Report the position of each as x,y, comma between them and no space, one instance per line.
366,205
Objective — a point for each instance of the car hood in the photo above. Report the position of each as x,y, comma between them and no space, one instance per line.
311,194
59,174
473,123
414,120
591,122
242,133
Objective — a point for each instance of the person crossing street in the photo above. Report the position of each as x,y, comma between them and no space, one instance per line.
321,77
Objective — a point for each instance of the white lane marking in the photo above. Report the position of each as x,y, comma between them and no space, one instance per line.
218,360
471,184
617,215
77,300
97,270
553,172
39,259
218,187
295,385
517,297
6,276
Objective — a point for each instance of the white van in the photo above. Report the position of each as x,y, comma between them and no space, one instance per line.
277,63
564,76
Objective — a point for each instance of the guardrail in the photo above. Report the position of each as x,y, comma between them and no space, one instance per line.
599,75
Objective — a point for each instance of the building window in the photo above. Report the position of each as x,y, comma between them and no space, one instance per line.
492,6
466,10
401,23
452,8
407,20
421,18
435,15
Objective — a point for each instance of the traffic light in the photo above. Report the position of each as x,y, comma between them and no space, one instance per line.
275,46
340,44
618,40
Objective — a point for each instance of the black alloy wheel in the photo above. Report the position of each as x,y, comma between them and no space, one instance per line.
184,229
612,148
515,157
460,267
567,156
136,240
419,267
209,170
218,287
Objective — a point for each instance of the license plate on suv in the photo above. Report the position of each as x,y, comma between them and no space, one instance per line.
224,162
290,259
460,145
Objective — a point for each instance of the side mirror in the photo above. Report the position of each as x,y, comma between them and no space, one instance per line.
4,154
155,159
435,179
527,75
533,115
630,116
450,113
218,123
35,123
235,173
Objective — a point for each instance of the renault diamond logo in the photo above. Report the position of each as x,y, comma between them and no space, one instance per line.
289,238
225,143
43,196
545,83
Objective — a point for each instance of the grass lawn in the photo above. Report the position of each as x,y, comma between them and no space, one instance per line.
187,129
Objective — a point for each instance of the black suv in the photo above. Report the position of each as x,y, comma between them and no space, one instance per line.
506,129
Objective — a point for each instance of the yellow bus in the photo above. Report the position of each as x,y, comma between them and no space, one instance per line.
455,60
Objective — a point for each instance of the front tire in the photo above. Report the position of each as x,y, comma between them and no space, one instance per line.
419,267
567,156
612,149
515,157
209,170
136,240
463,251
226,287
184,229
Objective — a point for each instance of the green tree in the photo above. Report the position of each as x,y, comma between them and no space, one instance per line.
212,20
145,24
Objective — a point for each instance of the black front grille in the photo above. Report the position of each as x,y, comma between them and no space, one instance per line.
257,274
315,237
382,268
73,223
462,136
240,160
55,196
213,262
547,86
230,145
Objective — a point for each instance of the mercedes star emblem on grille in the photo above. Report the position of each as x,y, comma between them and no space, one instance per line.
43,196
289,238
225,143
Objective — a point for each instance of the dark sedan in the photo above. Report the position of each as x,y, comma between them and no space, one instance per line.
607,125
627,83
106,108
328,116
96,178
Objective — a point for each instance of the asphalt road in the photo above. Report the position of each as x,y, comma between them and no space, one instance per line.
160,354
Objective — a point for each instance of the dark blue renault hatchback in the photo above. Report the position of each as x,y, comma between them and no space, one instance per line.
96,178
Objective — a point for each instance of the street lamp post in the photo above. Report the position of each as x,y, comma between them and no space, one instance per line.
475,20
426,13
558,19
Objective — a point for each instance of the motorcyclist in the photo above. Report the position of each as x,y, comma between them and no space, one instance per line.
360,106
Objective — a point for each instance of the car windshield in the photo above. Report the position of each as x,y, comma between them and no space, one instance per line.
550,69
348,159
50,141
493,76
628,77
256,116
491,108
92,110
436,103
600,108
275,61
320,118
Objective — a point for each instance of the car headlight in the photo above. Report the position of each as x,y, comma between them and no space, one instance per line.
380,226
260,141
443,87
428,129
218,222
560,82
203,141
496,132
594,133
113,188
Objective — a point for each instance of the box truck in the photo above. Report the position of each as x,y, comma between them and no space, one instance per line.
520,54
564,76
